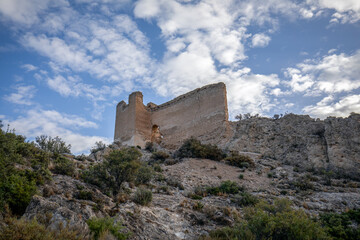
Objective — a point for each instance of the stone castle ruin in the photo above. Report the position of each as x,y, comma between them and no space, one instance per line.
201,113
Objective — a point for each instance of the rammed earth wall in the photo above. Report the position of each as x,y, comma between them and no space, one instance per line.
201,113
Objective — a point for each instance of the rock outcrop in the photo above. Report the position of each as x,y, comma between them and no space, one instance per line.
333,143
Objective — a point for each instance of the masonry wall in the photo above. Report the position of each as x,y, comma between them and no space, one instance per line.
201,113
132,123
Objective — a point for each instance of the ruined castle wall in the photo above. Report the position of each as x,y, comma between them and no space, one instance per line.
132,124
124,122
142,123
201,113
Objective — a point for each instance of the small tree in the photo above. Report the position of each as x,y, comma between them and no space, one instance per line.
119,166
98,147
53,145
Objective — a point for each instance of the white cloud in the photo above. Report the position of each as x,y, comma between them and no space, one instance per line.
72,86
29,67
331,74
205,44
329,107
53,123
27,12
115,51
23,95
346,11
23,11
260,40
248,92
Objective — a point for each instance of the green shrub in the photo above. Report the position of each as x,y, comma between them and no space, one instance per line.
17,190
157,168
142,196
84,195
144,175
241,176
245,199
303,184
240,161
21,229
175,183
102,227
195,196
159,156
99,146
118,167
198,206
194,148
22,167
52,145
278,221
64,166
342,226
228,187
149,146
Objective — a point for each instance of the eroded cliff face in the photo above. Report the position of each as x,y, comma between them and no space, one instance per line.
301,141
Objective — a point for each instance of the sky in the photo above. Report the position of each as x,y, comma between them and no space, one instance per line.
65,64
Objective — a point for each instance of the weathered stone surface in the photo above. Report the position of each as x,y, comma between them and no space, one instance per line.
301,140
200,113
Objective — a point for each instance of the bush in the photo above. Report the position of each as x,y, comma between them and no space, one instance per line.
144,175
17,190
277,221
149,146
175,183
101,227
240,161
119,166
64,166
52,145
303,184
245,199
21,229
22,167
84,195
157,168
193,148
98,147
142,196
159,156
225,187
342,226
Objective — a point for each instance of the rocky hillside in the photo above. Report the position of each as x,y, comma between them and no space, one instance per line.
197,192
333,143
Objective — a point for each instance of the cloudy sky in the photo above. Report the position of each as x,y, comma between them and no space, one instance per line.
65,64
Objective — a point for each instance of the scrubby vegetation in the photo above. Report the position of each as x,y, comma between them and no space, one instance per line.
22,167
52,145
342,226
194,148
277,221
240,161
98,147
142,196
21,229
101,228
159,156
63,165
119,166
144,175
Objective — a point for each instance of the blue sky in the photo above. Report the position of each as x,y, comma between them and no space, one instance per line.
65,64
